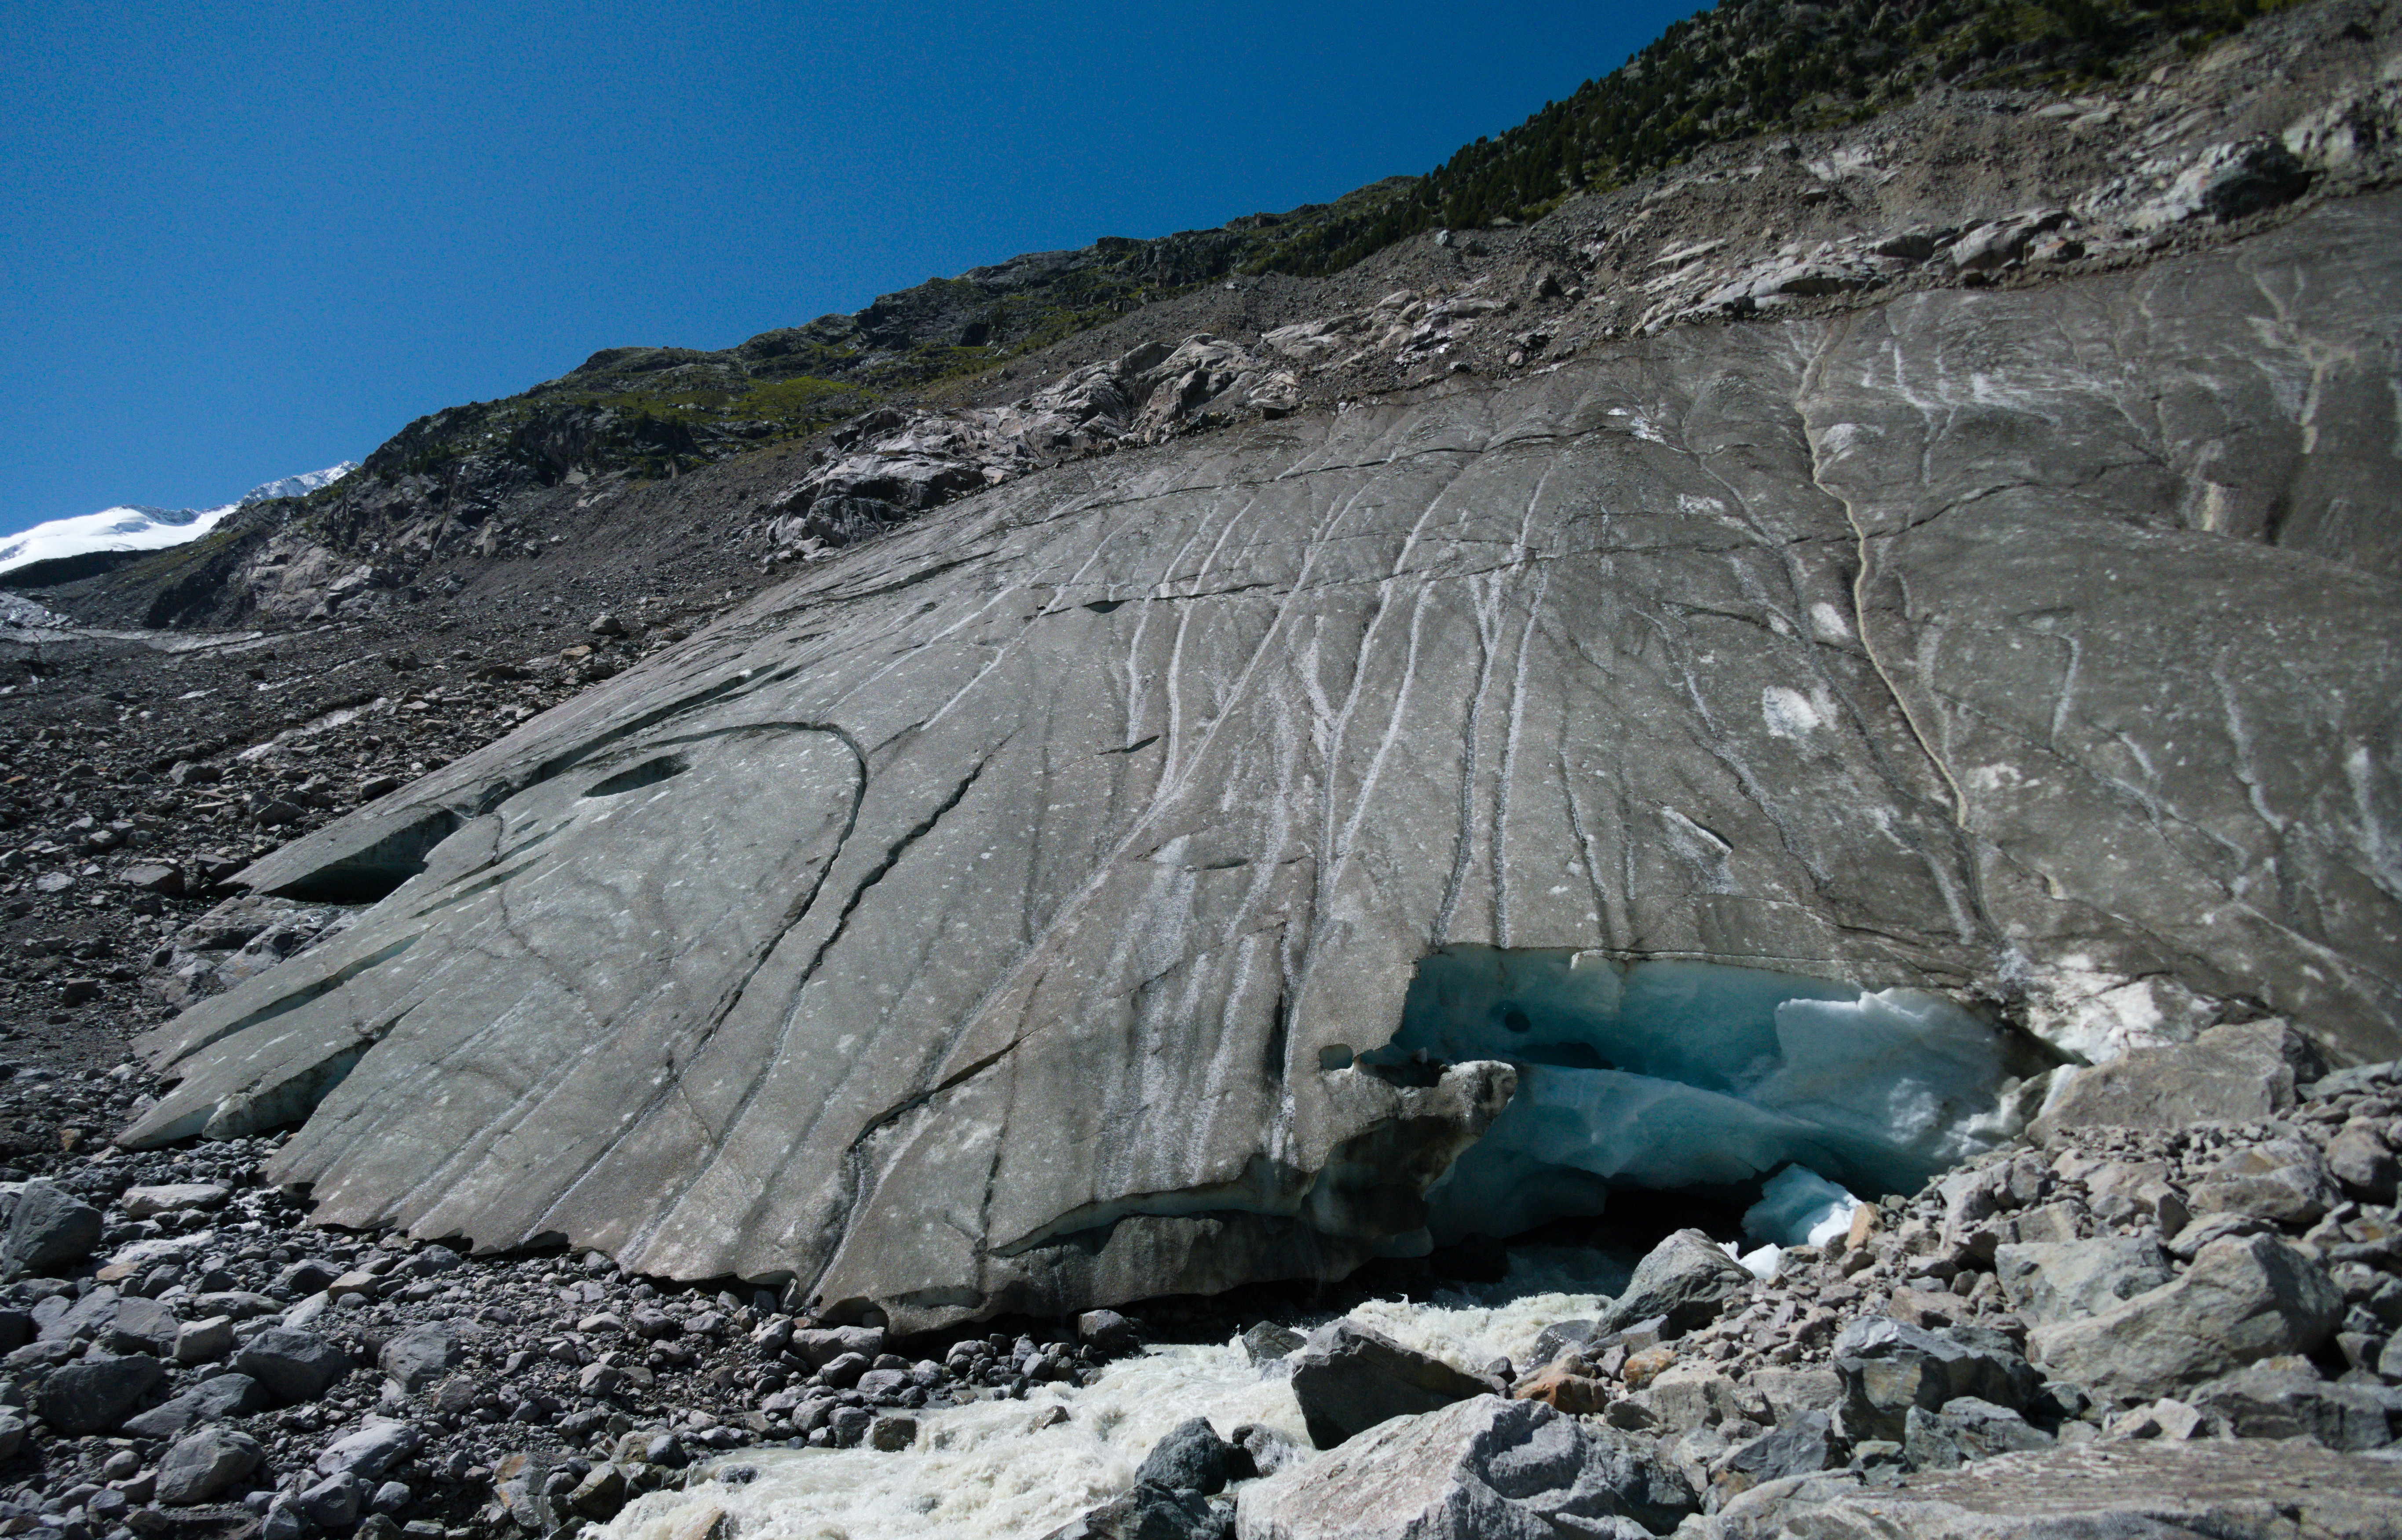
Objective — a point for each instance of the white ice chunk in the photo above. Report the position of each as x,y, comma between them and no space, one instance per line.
1761,1264
1797,1207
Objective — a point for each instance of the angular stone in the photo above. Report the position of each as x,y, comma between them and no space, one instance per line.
379,1444
144,1326
2062,1280
1683,1280
420,1355
94,1394
2228,1490
2244,1299
1963,1430
144,1202
1889,1368
1479,1468
198,1468
1798,1446
292,1366
2284,1181
971,717
221,1396
2228,1075
47,1227
202,1342
1189,1458
2285,1398
2359,1158
1348,1378
1147,1512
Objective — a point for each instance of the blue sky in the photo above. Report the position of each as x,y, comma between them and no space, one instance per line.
242,240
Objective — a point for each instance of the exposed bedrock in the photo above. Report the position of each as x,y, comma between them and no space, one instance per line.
993,917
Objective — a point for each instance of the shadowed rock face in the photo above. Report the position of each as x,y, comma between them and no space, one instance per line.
969,925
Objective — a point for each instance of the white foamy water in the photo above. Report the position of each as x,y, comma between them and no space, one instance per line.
986,1472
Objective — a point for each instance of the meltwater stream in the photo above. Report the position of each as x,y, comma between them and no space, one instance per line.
991,1471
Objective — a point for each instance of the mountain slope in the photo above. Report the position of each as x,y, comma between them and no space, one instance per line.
50,550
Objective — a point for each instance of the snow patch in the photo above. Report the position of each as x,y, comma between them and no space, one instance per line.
133,527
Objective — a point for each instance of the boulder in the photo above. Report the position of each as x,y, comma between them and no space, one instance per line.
1683,1279
2285,1398
2244,1299
1889,1368
2153,1490
421,1355
2228,1075
48,1227
94,1394
1799,1445
2061,1280
1348,1378
1191,1457
221,1396
2284,1181
144,1202
292,1366
1481,1469
2360,1158
379,1444
144,1326
201,1465
1147,1512
1965,1429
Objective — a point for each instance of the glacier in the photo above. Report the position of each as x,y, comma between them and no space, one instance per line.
1673,1074
136,527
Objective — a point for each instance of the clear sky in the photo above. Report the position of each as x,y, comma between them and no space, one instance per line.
243,240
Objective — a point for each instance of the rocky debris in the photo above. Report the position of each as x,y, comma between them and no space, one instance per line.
2241,1300
1348,1378
1680,1283
1481,1466
2132,1488
46,1228
2236,1074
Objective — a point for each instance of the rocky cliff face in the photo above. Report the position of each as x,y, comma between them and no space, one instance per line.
995,916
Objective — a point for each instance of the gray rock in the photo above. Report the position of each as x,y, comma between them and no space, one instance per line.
2284,1181
1348,1378
2061,1280
13,1433
2359,1158
2113,1490
48,1227
1889,1368
1148,1512
880,1384
202,1342
1191,1457
378,1445
94,1394
2285,1398
1267,1342
1966,1429
2058,674
1107,1332
1268,1450
421,1355
1482,1469
198,1466
142,1202
221,1396
334,1503
2244,1300
2228,1075
1799,1445
822,1346
144,1326
1683,1279
292,1366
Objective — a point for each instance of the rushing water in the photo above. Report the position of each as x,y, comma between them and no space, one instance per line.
990,1471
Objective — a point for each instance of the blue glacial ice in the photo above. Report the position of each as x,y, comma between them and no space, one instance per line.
1678,1075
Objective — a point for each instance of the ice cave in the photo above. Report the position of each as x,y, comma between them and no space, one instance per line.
1789,1089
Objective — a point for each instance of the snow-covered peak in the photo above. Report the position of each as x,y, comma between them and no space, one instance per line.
133,527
